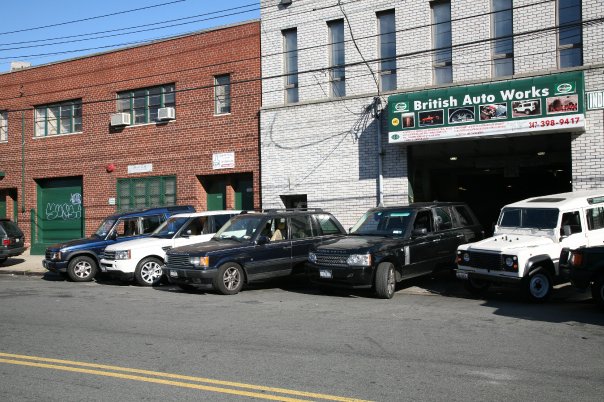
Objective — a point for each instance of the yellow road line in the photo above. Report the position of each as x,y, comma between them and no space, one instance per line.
28,362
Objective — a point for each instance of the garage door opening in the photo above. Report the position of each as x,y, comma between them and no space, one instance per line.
489,173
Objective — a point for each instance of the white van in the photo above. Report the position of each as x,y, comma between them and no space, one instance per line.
528,239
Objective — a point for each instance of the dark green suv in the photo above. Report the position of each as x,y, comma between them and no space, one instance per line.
13,240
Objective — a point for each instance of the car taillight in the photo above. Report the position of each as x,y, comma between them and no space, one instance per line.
576,259
6,242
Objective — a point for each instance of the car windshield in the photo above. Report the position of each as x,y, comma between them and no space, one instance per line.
529,218
104,228
168,229
383,223
242,227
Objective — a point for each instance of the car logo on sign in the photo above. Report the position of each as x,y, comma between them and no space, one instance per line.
565,88
401,107
395,136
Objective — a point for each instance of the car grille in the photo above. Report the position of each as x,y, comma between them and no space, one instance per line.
178,261
489,261
331,260
47,255
108,255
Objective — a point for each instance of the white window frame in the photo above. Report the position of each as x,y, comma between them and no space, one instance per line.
337,69
3,126
290,65
222,94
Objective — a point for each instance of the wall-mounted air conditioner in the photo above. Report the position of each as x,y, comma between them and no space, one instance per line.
120,119
166,113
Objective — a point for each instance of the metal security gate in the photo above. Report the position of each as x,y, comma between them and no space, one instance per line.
60,215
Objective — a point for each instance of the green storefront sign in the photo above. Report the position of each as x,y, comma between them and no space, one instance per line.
516,107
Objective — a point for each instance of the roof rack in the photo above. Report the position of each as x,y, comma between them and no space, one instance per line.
293,210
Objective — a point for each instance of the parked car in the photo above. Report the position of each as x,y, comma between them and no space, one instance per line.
251,247
585,269
143,258
526,107
79,259
388,245
527,242
13,241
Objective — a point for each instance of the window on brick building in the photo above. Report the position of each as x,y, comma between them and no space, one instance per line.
570,33
337,73
222,94
442,59
290,45
387,48
146,192
143,104
58,118
503,42
3,126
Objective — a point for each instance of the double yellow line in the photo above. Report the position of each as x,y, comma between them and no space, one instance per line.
177,380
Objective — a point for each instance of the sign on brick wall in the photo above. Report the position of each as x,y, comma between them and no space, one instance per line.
224,160
542,104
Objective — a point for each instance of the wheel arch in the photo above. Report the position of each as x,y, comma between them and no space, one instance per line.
84,253
543,261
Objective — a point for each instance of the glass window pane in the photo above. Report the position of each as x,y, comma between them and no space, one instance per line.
169,96
222,93
571,57
336,57
3,126
503,67
123,102
290,39
387,46
443,75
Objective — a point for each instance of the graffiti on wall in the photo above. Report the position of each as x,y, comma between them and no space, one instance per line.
65,211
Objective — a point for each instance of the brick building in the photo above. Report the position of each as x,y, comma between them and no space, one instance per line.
328,67
170,122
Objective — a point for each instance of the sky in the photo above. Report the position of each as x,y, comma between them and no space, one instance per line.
40,31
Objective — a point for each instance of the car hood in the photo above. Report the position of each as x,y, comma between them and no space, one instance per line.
208,247
507,242
77,242
137,243
356,244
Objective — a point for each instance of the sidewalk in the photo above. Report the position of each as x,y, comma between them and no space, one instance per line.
24,264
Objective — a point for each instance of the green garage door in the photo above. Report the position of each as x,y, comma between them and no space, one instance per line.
2,206
60,214
244,193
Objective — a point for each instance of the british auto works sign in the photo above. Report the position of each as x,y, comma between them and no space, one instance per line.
518,107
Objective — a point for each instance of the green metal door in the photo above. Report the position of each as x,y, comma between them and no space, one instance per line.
60,214
2,205
216,190
244,194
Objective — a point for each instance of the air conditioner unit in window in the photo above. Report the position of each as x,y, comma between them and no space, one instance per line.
166,113
120,119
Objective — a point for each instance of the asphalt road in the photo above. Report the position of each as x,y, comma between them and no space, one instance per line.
63,341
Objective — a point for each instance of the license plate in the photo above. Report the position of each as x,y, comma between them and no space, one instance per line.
325,273
462,275
174,274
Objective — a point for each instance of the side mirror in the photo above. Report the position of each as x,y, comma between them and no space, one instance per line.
262,240
420,232
350,229
112,236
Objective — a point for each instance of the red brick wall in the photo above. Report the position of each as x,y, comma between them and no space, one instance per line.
182,147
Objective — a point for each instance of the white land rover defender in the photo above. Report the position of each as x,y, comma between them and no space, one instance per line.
528,239
143,258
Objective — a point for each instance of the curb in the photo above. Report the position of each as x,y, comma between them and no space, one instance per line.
22,273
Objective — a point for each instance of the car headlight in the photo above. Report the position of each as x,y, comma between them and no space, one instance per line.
511,262
466,257
199,261
56,255
363,260
122,255
312,257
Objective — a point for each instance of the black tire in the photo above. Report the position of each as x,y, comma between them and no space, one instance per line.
229,279
148,272
3,260
82,269
597,291
476,287
538,285
385,281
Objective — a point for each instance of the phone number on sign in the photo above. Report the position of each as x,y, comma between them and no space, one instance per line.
553,122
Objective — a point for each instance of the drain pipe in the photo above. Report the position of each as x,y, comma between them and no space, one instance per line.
380,152
22,162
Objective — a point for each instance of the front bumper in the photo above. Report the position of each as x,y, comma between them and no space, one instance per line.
123,266
492,276
55,266
342,277
201,278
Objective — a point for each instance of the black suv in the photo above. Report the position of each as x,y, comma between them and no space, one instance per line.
251,247
13,241
390,244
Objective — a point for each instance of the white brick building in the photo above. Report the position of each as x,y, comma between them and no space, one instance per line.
324,148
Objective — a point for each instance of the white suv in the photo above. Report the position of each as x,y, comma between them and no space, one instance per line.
529,237
143,258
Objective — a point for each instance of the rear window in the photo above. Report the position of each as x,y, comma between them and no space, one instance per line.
10,228
464,216
327,224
